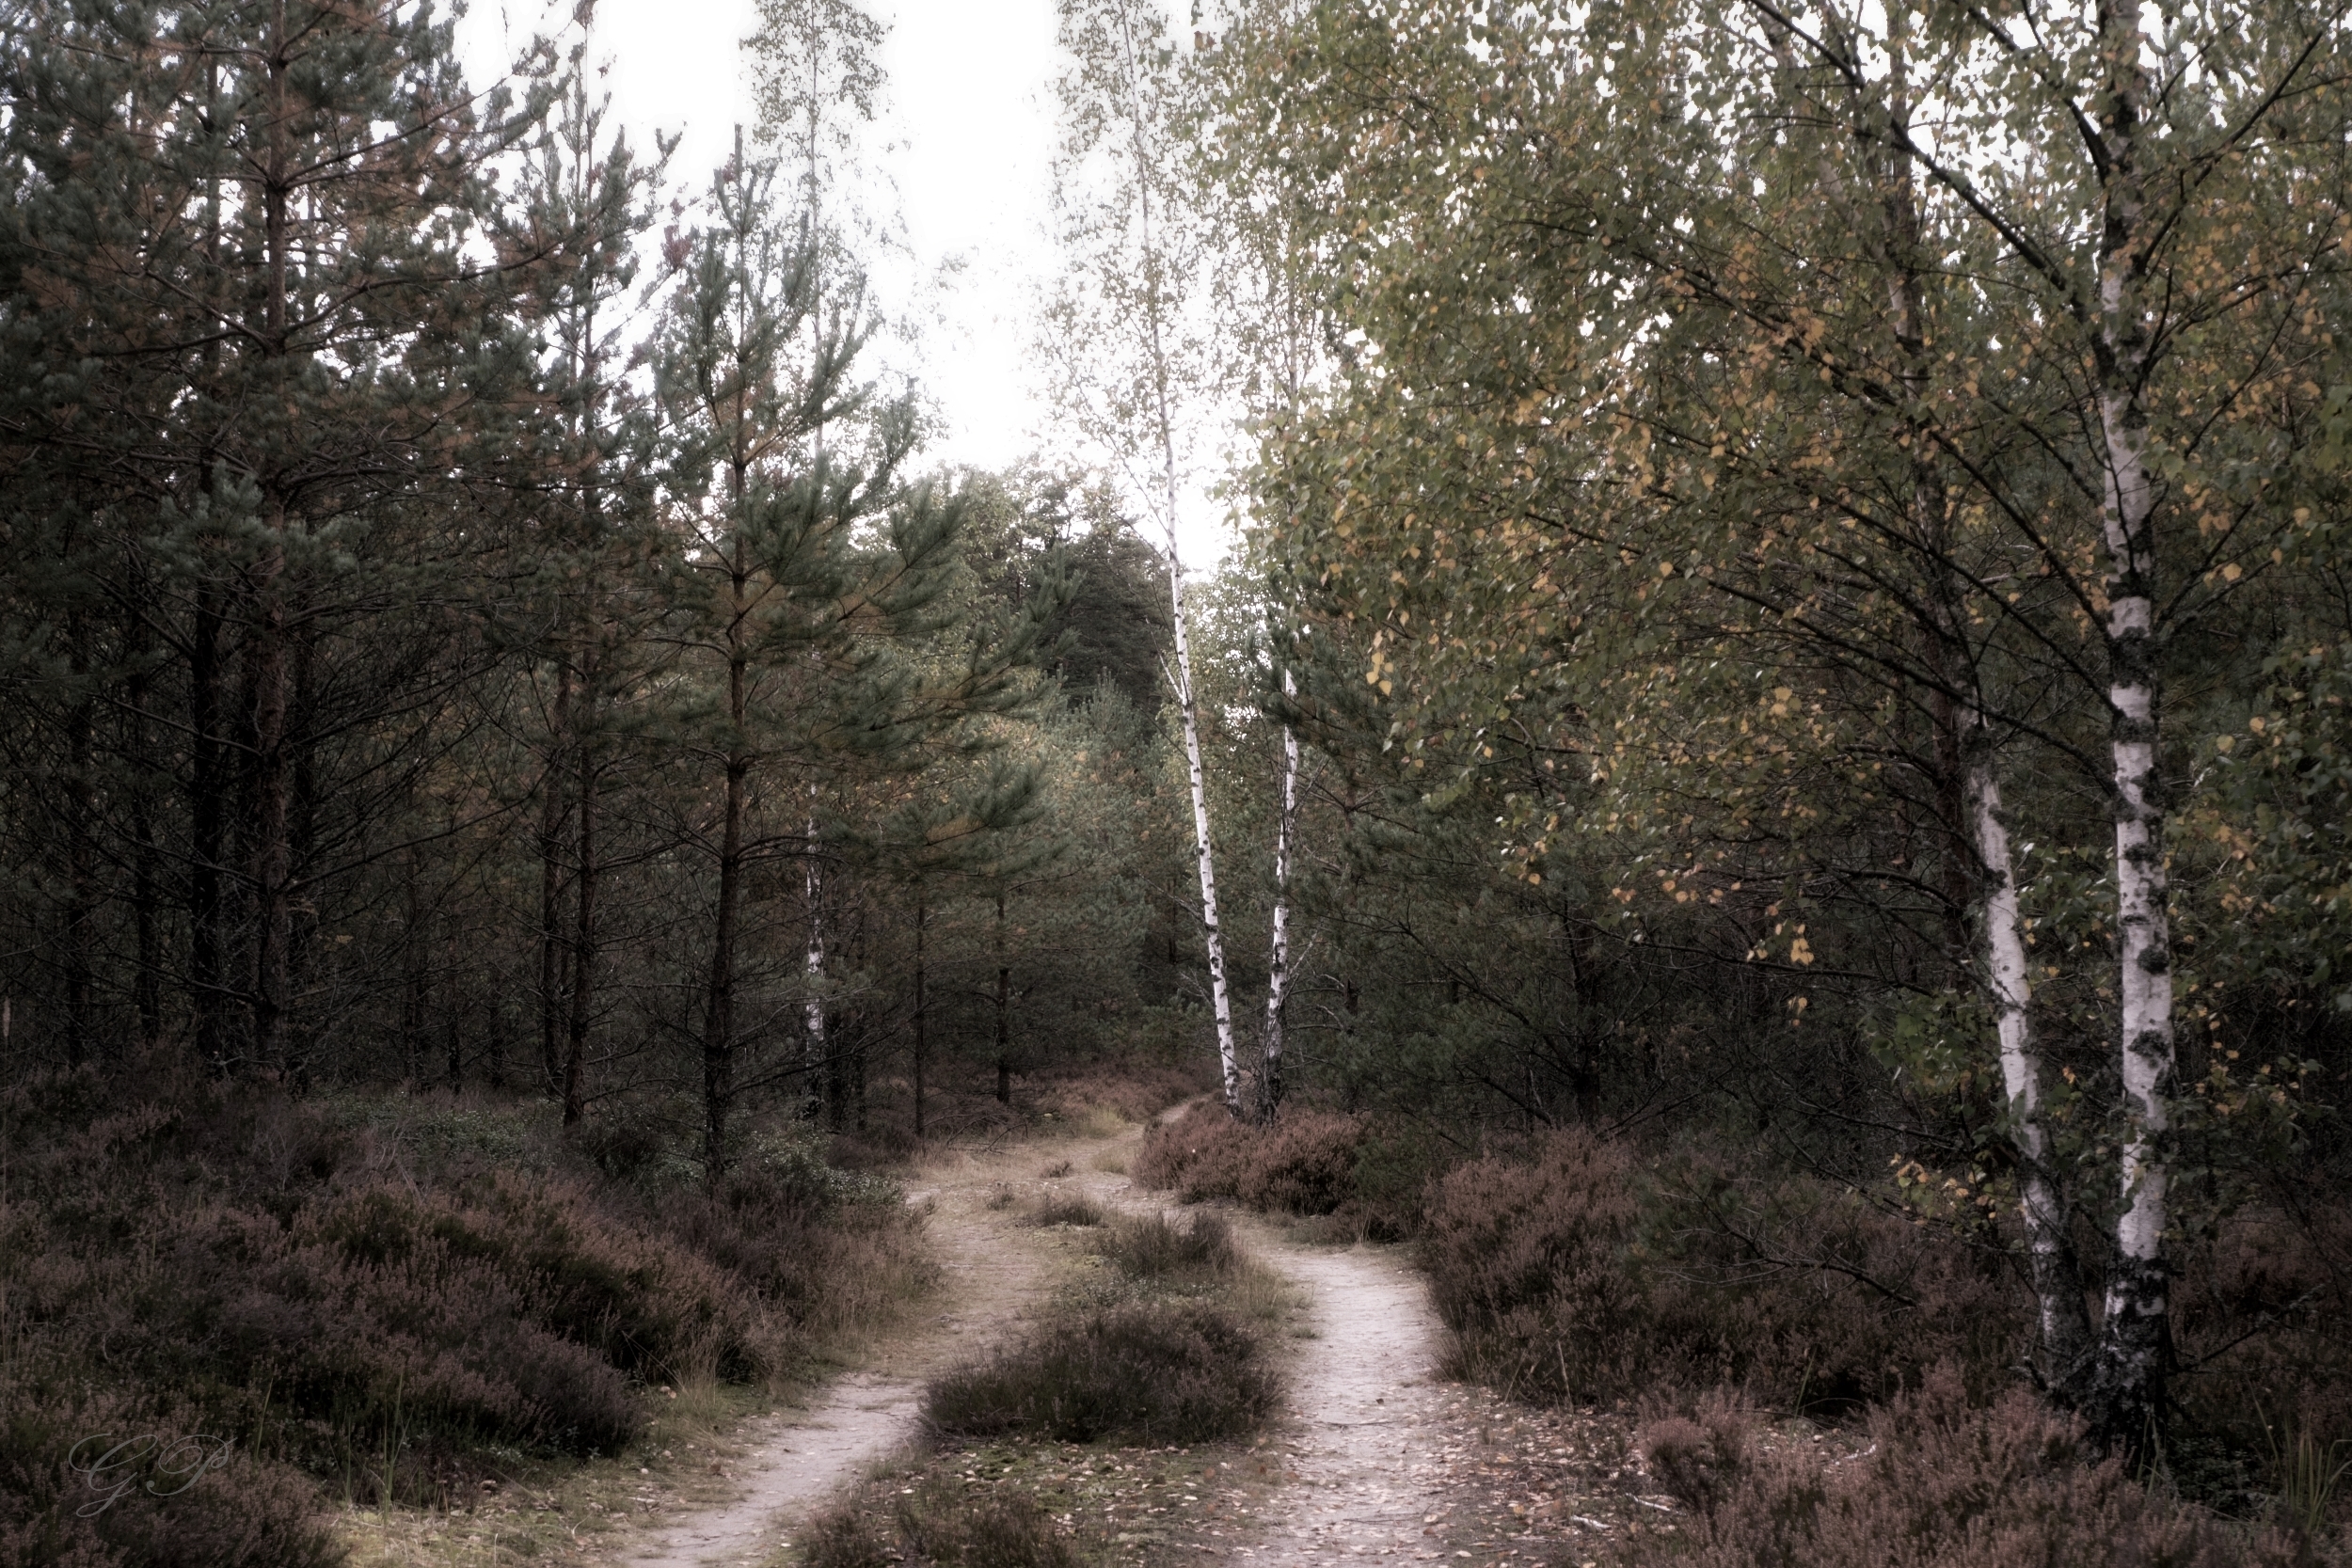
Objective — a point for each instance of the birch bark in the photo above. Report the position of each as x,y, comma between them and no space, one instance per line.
1279,959
1164,430
2057,1282
2130,1388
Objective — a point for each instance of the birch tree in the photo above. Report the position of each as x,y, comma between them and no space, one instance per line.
818,84
1127,337
1900,349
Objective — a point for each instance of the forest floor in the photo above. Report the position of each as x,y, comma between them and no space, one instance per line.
1379,1455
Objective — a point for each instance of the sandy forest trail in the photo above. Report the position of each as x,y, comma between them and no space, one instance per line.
1373,1440
994,1271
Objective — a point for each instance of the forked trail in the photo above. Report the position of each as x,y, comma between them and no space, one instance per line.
1368,1433
995,1270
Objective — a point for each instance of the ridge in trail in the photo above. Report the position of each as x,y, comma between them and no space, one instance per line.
992,1273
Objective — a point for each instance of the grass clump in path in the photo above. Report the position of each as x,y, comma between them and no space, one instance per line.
1156,1371
1165,1353
1101,1438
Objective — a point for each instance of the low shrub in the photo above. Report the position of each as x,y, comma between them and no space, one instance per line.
1696,1456
1585,1272
381,1291
1081,1212
1946,1484
941,1524
1141,1371
1303,1164
93,1482
1153,1247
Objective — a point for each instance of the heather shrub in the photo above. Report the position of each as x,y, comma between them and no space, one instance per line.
1080,1212
1697,1455
1946,1484
161,1504
379,1288
827,1256
1142,1371
941,1524
1153,1247
1303,1164
1584,1272
847,1538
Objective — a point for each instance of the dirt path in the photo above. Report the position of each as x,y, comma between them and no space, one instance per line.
1384,1459
1369,1423
995,1270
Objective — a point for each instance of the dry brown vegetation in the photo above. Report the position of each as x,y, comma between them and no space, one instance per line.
1946,1483
379,1299
1162,1356
1578,1269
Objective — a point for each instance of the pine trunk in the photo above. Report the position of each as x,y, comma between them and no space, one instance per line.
719,998
583,944
921,1017
818,1059
1004,1012
551,885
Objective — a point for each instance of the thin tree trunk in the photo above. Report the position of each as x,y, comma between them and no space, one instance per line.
1279,959
147,918
718,1006
81,871
1164,419
2041,1202
583,944
1004,1005
453,1007
551,812
718,1000
2130,1396
1970,809
921,1020
272,851
271,862
413,985
818,1057
208,822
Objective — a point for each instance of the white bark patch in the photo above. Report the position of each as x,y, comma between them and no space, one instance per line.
1278,960
1227,1058
2011,981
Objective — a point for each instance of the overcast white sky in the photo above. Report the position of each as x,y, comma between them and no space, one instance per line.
967,140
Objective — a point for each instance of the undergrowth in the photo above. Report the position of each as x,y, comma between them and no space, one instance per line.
1123,1405
1163,1353
1578,1268
375,1298
1946,1483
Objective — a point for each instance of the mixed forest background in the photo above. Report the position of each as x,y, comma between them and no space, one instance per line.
1788,613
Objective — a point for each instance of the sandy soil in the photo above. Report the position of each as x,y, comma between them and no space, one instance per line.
1369,1423
995,1268
1380,1456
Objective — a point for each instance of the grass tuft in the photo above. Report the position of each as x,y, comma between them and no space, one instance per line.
1143,1371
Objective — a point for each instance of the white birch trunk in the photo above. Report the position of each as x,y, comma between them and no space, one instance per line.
1229,1060
1279,959
2131,1375
1165,422
2041,1204
813,1010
